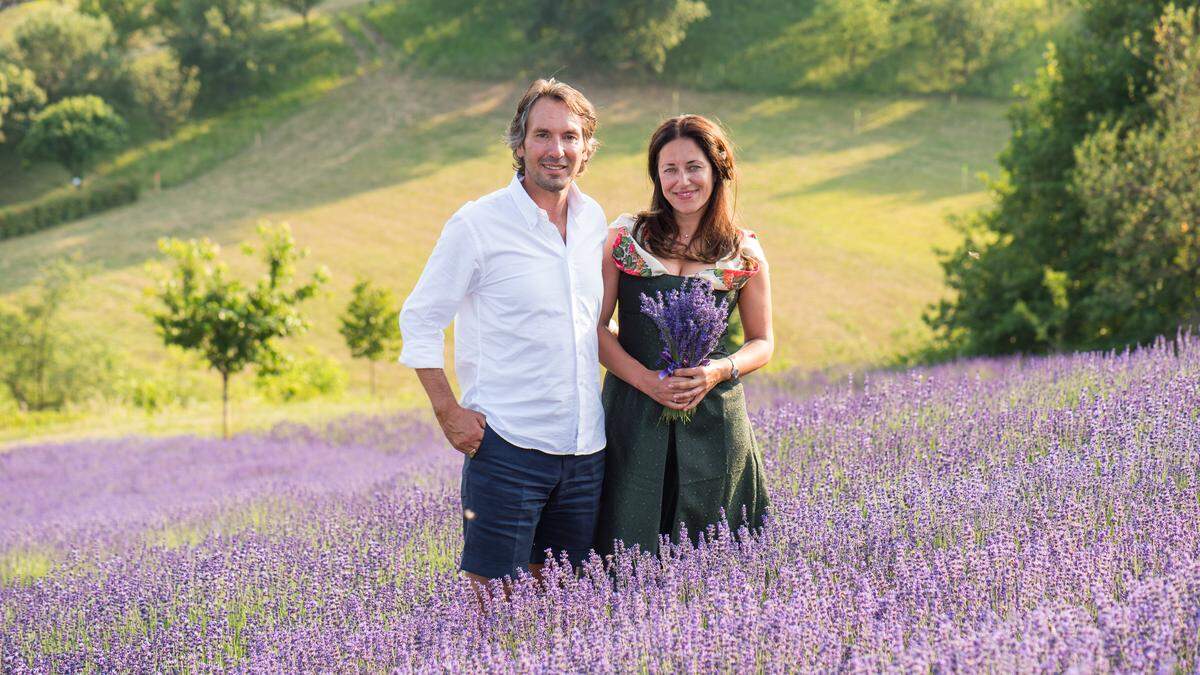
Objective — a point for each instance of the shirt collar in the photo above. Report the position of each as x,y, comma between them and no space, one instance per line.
529,210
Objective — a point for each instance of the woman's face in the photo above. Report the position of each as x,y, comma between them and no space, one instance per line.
685,175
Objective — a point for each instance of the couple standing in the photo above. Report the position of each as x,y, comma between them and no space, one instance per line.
531,275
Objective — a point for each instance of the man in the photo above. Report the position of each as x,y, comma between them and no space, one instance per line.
519,271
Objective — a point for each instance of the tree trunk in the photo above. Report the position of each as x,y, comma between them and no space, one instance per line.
372,378
225,405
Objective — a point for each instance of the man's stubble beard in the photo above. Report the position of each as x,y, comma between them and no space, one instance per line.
549,184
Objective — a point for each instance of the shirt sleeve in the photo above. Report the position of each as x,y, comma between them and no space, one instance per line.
451,272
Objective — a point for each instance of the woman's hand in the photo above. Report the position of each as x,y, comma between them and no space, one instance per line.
664,390
693,384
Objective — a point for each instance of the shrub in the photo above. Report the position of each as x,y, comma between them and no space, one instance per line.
48,363
65,205
302,379
74,132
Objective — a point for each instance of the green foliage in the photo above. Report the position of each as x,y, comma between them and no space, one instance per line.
301,7
1141,204
636,33
371,325
74,132
20,100
845,37
164,89
127,17
231,325
65,205
223,38
920,46
302,379
70,54
45,362
1025,277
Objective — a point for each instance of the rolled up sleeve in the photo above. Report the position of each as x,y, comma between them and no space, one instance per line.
450,273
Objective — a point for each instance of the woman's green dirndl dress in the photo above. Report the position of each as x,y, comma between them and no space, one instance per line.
661,474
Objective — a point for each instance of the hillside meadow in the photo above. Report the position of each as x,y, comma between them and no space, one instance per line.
849,211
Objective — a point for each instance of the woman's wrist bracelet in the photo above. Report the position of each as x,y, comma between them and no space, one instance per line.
733,369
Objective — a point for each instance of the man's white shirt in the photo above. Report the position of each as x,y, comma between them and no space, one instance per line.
525,308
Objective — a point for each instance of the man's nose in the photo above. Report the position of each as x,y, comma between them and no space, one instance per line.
556,147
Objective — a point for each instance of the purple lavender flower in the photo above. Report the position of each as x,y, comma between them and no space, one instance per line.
690,322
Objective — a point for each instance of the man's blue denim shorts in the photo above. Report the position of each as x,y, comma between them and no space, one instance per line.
517,503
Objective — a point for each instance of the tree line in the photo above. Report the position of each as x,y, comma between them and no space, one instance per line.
1093,240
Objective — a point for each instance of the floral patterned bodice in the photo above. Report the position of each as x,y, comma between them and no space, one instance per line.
727,274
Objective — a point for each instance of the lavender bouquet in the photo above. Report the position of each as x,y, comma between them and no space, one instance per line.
690,322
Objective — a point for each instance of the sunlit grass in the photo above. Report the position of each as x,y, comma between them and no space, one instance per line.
24,565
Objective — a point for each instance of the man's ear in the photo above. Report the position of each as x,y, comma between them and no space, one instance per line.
520,151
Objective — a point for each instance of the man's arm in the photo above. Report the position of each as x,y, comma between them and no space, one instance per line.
463,427
450,273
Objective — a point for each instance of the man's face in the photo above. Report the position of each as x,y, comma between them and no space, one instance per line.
554,150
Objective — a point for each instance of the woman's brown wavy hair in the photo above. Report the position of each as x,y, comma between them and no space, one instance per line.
717,237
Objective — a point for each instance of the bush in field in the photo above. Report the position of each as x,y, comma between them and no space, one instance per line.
302,379
74,132
164,89
301,7
127,17
371,325
1031,274
70,54
624,32
223,38
46,362
230,324
20,99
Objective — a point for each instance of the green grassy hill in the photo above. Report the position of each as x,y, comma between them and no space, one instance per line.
849,194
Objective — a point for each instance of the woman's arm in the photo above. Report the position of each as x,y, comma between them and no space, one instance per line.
754,305
613,356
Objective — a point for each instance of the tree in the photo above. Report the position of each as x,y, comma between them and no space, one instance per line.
846,36
70,54
223,38
1019,277
1141,202
371,325
20,101
230,324
301,7
622,32
46,363
126,16
164,89
74,132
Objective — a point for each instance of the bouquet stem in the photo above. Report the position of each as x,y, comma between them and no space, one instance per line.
673,415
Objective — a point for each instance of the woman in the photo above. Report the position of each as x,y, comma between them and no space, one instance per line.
659,475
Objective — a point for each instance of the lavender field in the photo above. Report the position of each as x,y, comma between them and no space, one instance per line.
1004,515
